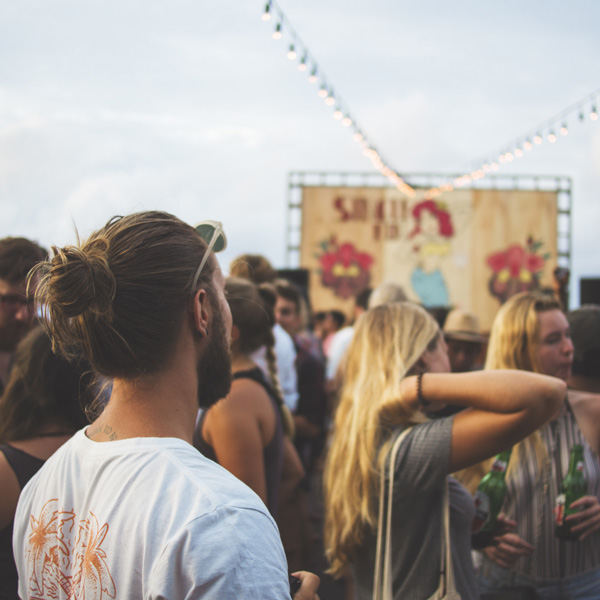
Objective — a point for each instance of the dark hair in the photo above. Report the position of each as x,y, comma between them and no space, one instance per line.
253,313
585,333
289,292
43,389
121,294
362,298
339,317
17,257
254,267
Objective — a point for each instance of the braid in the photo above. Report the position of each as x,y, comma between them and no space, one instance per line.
286,416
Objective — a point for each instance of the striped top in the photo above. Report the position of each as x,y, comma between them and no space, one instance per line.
527,504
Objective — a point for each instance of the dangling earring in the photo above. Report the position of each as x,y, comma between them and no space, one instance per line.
206,329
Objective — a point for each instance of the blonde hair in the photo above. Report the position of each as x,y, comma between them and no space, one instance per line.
514,344
387,343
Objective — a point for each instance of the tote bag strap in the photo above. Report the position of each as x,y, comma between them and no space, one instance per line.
382,579
447,583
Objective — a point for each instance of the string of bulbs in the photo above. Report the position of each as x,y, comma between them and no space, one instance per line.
490,163
341,112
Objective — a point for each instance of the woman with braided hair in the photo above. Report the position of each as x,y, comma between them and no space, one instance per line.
245,431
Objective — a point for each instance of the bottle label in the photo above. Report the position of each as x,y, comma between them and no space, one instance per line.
482,511
560,509
499,466
579,466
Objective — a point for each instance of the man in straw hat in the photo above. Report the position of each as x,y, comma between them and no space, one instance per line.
464,340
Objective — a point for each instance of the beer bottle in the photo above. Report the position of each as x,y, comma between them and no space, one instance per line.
490,494
572,488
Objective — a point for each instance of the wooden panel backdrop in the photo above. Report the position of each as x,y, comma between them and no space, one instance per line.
467,248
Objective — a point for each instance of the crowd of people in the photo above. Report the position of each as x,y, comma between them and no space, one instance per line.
170,431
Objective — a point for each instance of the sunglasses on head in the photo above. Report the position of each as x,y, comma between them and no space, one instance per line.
213,234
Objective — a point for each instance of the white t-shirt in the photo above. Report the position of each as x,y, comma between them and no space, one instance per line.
143,518
286,365
337,350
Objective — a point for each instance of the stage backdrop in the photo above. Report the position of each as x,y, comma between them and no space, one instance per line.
468,248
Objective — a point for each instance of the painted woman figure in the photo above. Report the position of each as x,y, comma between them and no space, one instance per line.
431,242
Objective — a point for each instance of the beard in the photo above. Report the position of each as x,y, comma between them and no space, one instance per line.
12,332
214,369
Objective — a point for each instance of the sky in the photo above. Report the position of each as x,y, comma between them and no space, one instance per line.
109,107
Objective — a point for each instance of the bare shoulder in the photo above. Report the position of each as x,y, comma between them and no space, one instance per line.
9,485
586,403
586,408
246,400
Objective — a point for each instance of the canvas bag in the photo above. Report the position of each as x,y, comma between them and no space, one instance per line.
382,581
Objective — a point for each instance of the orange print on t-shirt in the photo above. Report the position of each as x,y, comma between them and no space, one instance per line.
61,559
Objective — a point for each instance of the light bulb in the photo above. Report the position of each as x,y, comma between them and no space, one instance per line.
291,52
302,64
267,14
594,114
518,152
347,121
537,139
551,137
564,130
330,100
337,114
358,136
277,32
312,78
323,92
527,145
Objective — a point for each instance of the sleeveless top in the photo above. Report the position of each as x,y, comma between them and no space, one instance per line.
272,452
25,467
531,498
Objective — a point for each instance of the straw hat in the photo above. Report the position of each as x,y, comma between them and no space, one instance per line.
462,325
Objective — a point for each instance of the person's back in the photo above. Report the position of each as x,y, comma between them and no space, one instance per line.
128,508
143,517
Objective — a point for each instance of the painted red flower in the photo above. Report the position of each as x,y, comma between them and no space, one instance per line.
515,258
516,269
345,269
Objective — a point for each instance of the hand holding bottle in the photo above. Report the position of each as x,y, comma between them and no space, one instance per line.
587,521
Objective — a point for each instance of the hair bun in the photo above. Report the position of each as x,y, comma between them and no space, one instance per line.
82,281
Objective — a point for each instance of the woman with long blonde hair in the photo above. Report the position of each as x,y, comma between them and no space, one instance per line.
531,333
397,366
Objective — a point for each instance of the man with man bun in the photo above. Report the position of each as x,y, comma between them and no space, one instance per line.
128,508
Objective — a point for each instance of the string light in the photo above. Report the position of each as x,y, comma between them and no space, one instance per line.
341,112
492,163
267,14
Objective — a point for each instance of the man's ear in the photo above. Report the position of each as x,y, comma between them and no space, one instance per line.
201,311
235,334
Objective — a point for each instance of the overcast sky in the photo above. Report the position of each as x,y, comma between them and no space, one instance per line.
108,107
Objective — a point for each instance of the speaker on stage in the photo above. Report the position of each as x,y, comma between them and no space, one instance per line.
589,290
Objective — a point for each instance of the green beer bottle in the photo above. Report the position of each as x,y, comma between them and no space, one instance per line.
490,494
572,488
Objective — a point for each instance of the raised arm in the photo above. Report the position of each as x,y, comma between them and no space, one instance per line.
504,407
